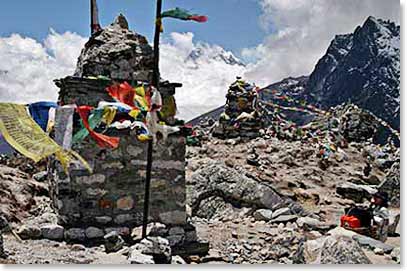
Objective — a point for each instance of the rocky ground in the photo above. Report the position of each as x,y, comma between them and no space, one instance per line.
261,200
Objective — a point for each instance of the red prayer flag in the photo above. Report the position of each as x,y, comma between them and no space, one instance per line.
102,140
123,93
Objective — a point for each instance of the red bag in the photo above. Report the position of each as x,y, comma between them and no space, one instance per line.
350,221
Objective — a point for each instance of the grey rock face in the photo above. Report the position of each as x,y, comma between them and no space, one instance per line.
138,258
118,53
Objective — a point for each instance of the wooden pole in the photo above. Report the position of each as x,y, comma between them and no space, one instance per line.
155,82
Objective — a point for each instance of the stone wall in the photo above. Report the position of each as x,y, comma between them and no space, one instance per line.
113,195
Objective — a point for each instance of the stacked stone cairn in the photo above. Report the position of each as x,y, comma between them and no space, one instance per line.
242,117
107,205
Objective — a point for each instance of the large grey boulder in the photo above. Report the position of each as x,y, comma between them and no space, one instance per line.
235,187
334,250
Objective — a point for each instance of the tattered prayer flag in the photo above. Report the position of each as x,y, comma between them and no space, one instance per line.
183,14
27,137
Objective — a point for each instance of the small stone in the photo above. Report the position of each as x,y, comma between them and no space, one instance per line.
78,247
378,251
125,203
75,234
176,231
52,232
284,219
173,218
113,242
234,234
395,255
138,258
177,260
93,232
103,219
123,231
263,215
282,211
29,232
40,176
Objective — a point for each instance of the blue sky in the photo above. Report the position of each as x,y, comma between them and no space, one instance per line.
233,24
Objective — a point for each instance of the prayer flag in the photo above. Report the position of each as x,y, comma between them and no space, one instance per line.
183,14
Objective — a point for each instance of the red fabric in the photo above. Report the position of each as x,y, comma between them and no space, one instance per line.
350,222
102,140
123,93
199,19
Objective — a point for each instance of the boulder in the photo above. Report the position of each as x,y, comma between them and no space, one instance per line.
52,232
334,250
233,186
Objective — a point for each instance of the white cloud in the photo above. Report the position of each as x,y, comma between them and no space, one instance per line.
302,31
28,67
205,78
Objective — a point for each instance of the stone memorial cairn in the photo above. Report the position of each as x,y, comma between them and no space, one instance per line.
242,117
92,206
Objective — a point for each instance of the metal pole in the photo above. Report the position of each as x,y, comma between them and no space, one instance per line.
156,71
155,82
147,187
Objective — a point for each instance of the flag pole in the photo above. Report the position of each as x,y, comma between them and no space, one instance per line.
155,82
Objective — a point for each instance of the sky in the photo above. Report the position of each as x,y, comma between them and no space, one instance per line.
41,40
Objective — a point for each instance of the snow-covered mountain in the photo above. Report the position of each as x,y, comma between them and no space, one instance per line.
214,53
